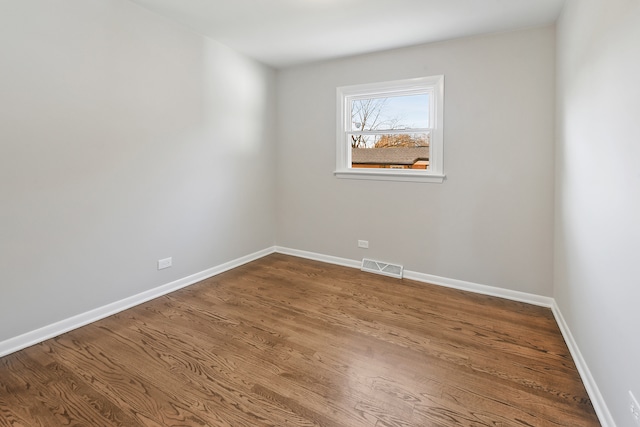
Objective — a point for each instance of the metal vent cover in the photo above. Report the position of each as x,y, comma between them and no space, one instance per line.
379,267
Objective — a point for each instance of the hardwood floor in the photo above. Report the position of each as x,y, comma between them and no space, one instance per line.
284,341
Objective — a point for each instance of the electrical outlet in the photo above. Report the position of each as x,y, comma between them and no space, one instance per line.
635,408
363,244
164,263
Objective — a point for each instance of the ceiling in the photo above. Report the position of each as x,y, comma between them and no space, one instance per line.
282,33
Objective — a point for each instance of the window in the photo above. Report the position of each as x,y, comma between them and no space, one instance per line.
391,130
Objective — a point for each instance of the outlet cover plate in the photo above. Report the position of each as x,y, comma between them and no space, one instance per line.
164,263
363,244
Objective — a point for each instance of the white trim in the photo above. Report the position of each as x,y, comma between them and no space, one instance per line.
318,257
14,344
434,85
389,175
431,279
598,402
480,289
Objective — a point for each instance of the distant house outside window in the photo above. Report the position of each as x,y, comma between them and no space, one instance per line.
391,130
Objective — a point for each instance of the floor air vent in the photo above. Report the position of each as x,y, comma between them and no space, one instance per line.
392,270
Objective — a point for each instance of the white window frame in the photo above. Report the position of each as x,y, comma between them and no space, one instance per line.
434,86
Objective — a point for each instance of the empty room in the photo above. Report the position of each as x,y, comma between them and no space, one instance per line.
366,213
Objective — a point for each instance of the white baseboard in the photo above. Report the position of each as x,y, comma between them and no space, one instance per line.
34,337
318,257
480,289
600,406
428,278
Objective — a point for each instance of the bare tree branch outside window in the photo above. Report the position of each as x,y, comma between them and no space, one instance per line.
371,115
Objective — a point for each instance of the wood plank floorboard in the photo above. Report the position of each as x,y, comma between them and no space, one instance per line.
284,341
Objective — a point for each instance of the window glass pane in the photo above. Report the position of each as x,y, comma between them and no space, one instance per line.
390,140
396,151
394,112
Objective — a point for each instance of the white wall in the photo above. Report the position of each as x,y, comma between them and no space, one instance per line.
597,233
490,222
123,139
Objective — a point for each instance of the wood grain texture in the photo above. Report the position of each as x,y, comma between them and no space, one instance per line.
284,341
